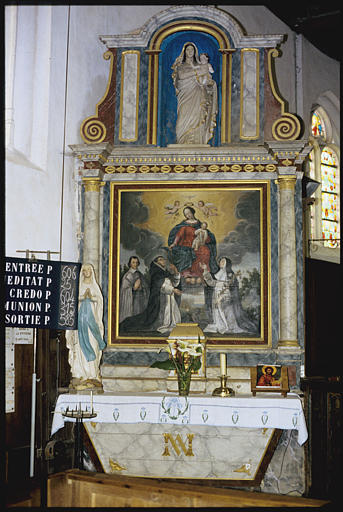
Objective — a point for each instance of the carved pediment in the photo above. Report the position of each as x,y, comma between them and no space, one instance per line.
156,96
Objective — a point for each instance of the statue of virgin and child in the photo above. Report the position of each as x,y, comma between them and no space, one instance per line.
196,92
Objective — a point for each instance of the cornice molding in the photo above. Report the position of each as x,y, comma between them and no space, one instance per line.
142,36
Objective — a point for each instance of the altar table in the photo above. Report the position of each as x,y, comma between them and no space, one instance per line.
168,436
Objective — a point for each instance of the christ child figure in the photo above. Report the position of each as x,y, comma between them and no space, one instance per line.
201,235
205,69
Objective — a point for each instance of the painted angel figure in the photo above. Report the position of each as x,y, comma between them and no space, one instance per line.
208,209
173,209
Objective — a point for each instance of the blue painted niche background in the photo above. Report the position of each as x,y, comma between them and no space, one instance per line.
171,48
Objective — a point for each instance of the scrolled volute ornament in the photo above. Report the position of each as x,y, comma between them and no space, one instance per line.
287,127
92,130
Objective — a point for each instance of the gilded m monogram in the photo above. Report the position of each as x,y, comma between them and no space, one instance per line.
187,451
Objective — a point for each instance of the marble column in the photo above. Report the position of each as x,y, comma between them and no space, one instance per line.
91,239
287,263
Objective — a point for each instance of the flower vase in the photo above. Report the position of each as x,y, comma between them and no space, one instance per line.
184,382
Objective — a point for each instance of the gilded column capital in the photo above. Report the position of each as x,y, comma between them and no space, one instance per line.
286,182
92,184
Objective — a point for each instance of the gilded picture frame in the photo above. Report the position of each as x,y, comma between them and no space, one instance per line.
214,238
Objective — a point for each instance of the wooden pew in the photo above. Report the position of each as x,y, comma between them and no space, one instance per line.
76,488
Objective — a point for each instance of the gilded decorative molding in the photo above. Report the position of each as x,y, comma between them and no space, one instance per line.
178,169
226,93
288,343
196,25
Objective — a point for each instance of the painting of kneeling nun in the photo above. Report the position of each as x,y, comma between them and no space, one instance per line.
162,312
133,291
228,316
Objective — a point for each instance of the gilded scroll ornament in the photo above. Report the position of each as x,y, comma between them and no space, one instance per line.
115,466
286,127
245,468
92,130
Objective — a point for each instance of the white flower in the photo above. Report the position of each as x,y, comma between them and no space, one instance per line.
195,350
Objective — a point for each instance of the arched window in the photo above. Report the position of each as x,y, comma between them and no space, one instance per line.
323,229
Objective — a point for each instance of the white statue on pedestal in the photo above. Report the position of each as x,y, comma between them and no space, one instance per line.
196,92
86,344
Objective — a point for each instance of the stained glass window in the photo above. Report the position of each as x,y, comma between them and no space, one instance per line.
318,129
330,197
312,207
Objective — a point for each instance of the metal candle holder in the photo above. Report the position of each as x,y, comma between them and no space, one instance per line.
223,390
79,415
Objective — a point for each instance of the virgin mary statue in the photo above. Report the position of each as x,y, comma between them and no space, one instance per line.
196,96
86,344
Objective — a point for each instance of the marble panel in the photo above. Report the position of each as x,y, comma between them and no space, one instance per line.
286,471
249,93
300,260
105,253
179,452
129,96
274,247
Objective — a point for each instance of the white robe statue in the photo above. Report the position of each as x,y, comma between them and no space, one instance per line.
196,93
86,344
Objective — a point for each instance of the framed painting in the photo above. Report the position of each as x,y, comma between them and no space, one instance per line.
189,252
269,378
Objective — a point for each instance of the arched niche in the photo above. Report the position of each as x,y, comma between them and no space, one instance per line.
165,45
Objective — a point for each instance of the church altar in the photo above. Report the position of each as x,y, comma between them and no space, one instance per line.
167,436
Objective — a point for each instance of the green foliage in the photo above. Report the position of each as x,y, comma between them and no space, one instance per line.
252,281
163,365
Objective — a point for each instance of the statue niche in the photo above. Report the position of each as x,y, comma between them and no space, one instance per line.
189,96
197,97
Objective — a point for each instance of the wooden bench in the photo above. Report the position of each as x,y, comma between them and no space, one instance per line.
76,488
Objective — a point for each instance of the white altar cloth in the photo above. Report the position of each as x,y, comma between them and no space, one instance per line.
262,411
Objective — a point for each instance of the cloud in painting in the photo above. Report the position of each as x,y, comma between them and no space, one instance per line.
143,242
246,235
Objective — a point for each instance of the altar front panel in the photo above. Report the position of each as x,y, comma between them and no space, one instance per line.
183,451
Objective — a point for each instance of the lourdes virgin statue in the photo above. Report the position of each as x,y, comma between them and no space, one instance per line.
196,94
87,342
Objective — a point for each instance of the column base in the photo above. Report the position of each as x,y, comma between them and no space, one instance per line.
288,344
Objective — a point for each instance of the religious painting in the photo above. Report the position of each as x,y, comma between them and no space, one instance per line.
269,378
268,375
182,252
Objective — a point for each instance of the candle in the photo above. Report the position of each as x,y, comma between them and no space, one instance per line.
222,364
92,401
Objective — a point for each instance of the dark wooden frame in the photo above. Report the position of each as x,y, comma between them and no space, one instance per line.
283,389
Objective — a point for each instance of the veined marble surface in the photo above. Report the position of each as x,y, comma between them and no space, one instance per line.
179,452
249,93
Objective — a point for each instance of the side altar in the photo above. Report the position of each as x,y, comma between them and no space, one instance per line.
195,437
189,178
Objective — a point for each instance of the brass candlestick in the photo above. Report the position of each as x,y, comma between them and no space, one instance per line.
223,390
